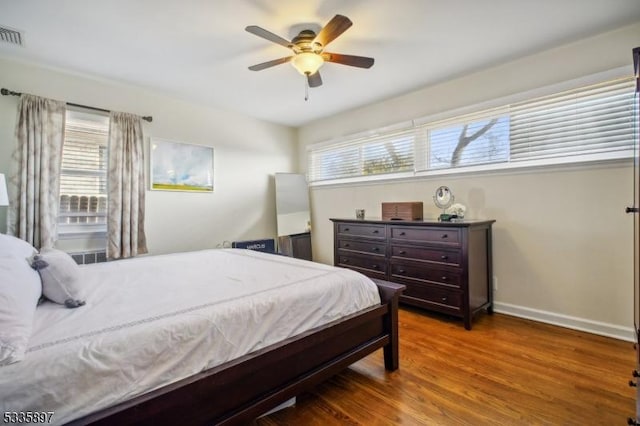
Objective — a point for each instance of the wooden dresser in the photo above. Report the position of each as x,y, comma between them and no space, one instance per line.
446,266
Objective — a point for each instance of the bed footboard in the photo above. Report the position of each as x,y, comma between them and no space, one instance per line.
240,390
390,295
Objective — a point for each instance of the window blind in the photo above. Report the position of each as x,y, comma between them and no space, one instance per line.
465,140
596,119
83,179
594,122
385,153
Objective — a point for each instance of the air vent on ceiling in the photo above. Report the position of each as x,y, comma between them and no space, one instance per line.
10,36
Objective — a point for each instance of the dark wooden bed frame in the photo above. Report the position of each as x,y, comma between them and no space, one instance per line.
241,390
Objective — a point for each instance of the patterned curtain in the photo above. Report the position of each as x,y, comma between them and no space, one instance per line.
126,190
36,183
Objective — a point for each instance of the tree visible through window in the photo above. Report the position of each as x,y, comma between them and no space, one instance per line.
390,152
479,142
388,156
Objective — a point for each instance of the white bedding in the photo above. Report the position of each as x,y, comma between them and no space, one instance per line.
153,320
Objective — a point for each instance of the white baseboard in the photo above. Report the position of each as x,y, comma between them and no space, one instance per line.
575,323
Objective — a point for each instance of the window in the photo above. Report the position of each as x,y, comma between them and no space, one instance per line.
594,122
468,142
336,163
83,178
386,153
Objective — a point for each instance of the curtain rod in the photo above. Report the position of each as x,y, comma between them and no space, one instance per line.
7,92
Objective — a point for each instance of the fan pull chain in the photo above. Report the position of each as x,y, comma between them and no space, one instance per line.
306,87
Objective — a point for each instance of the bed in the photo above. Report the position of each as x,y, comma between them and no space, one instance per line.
143,350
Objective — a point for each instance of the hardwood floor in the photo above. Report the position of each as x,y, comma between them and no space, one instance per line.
505,371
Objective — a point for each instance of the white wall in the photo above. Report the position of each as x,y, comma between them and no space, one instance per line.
247,154
562,244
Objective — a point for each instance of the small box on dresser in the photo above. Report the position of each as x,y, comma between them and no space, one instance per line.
402,211
446,266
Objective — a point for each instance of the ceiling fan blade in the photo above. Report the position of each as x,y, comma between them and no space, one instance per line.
314,79
268,64
351,60
268,35
336,26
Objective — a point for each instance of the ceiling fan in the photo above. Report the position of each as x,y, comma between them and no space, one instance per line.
308,50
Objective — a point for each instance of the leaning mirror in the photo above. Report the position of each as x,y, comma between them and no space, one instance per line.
294,218
443,199
292,203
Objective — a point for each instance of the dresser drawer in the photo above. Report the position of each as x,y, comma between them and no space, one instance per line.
433,275
431,234
362,230
429,254
372,247
372,264
448,300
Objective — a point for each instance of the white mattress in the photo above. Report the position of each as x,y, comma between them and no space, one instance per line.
153,320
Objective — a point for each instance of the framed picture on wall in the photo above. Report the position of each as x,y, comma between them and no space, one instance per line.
178,166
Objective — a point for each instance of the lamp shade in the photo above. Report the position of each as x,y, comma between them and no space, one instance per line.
4,197
307,63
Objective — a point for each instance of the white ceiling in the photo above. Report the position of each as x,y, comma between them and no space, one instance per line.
198,50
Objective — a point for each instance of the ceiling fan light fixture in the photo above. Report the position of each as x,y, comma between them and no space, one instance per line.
307,50
307,63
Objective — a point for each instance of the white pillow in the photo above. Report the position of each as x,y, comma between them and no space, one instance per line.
60,276
20,290
12,246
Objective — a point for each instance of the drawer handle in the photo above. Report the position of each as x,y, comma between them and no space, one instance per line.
376,249
346,229
375,231
444,257
402,271
347,245
444,236
403,233
403,252
444,299
375,267
444,278
345,260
